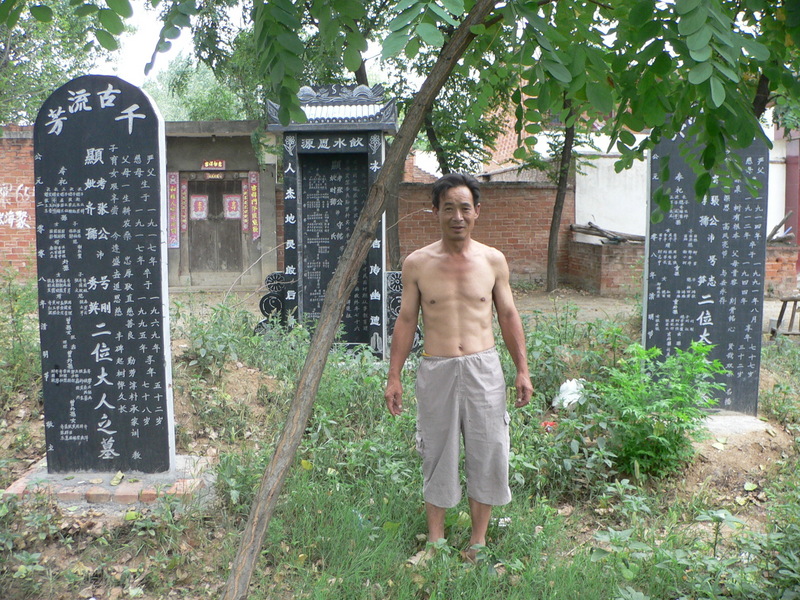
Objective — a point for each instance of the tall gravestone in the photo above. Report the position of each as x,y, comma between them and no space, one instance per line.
705,271
330,163
99,160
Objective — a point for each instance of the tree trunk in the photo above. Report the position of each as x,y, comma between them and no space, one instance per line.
392,226
433,139
337,293
558,206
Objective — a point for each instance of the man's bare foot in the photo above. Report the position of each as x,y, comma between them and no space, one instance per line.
474,554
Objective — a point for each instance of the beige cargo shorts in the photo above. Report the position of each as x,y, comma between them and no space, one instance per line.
463,397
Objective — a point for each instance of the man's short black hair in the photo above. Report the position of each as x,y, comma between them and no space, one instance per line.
452,180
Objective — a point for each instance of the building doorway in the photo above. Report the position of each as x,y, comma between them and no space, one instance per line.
216,240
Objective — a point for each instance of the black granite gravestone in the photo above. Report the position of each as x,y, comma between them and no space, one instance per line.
330,163
705,272
101,243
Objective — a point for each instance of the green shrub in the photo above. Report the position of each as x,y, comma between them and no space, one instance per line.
653,408
560,347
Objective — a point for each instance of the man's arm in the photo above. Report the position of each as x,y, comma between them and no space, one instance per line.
402,338
511,329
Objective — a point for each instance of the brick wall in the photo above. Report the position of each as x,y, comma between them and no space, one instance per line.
515,218
17,207
781,276
616,269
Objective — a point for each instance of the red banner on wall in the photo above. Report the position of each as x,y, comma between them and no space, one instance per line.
246,205
184,205
174,210
255,213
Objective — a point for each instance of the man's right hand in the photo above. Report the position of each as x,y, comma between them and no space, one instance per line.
394,397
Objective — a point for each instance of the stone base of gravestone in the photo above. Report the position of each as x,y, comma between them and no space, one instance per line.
192,480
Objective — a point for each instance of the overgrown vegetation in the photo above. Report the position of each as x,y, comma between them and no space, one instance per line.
597,510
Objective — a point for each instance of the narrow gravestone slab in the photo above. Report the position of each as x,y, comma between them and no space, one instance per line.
99,160
705,272
327,180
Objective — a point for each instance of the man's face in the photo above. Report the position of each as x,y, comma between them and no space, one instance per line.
457,213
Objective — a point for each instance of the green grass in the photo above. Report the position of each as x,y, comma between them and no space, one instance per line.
351,511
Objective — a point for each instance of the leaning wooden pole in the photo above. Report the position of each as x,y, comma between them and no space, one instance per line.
336,295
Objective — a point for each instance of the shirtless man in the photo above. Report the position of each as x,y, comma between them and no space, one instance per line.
460,386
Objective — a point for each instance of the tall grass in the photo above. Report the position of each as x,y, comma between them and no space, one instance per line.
351,513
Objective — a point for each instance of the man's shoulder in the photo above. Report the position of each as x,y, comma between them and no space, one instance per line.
489,252
422,254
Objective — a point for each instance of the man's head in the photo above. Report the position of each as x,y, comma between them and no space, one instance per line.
452,180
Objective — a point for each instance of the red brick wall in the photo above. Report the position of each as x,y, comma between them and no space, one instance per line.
515,218
605,269
616,269
17,204
781,276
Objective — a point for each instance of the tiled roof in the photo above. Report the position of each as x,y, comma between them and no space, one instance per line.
338,106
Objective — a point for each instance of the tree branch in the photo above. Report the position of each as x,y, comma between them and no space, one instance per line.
336,296
761,98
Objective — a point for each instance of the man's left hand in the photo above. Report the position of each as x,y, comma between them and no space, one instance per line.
524,390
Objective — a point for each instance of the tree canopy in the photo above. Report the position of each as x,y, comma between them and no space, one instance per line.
707,68
40,49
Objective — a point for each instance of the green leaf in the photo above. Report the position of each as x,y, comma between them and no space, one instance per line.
600,97
42,13
182,20
693,22
404,4
443,14
122,7
86,10
729,73
106,40
599,554
684,6
404,18
699,39
5,9
642,12
412,48
662,64
700,73
702,54
188,7
352,58
755,49
430,34
456,7
627,138
14,15
171,32
394,43
111,21
702,184
557,70
717,92
709,156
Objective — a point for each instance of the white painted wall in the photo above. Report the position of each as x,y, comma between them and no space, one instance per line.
618,201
